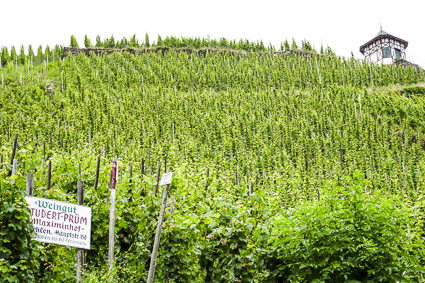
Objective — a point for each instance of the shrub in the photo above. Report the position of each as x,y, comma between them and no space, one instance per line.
348,235
18,254
414,90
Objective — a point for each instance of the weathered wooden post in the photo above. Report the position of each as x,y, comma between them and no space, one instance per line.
49,175
131,172
166,180
96,180
15,145
158,174
143,167
251,189
30,185
172,206
114,177
208,175
14,169
80,252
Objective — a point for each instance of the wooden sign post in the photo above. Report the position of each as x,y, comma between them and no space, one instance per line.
165,180
80,252
114,175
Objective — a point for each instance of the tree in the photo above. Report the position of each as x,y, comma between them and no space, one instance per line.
147,44
4,56
22,57
159,41
47,52
87,42
74,42
30,51
110,43
40,53
58,50
98,41
329,51
286,44
133,41
13,53
294,45
306,46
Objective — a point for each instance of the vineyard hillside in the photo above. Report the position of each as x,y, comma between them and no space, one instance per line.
286,168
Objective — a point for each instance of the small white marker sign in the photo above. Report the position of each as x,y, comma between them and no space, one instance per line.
166,179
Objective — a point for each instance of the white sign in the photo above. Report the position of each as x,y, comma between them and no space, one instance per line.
61,223
166,179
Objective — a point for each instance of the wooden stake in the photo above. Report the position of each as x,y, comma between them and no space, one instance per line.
96,181
30,185
158,235
14,168
15,145
172,206
49,175
80,252
158,174
251,189
208,175
114,176
143,167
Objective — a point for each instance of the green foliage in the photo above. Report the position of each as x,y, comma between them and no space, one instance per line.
18,254
98,42
87,42
40,55
292,125
13,54
133,41
329,51
286,45
47,52
22,57
109,42
294,45
350,234
30,51
58,50
306,46
147,44
4,56
414,90
74,42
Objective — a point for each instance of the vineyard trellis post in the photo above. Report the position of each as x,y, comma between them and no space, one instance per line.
80,252
30,185
159,228
49,175
96,181
158,174
14,169
114,177
15,145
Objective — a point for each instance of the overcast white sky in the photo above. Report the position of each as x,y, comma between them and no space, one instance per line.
343,25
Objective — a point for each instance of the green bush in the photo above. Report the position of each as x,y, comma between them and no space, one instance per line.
347,235
18,254
414,90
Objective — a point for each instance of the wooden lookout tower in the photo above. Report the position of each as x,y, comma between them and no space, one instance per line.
384,48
